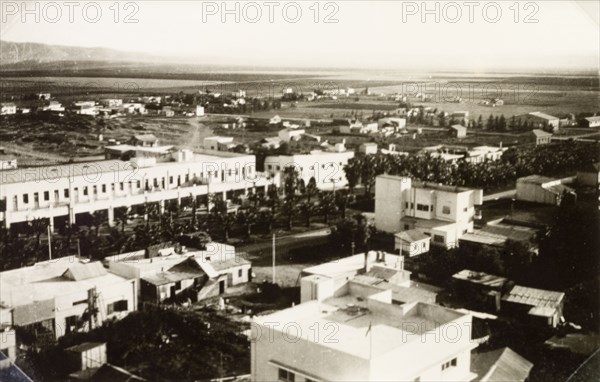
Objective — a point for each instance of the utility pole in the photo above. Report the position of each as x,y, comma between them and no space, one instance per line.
49,243
273,258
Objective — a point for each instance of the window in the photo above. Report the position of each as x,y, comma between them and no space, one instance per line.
438,239
25,198
122,186
117,306
239,273
66,193
138,184
85,191
286,376
449,364
422,207
178,285
446,210
95,190
406,227
46,195
170,180
405,204
465,209
104,188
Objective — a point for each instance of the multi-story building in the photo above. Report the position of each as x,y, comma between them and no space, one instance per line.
63,295
67,190
539,120
541,189
354,332
327,168
444,213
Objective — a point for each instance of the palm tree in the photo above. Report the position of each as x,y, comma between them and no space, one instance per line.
122,214
327,205
38,226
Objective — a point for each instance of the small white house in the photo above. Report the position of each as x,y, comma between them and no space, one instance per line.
412,242
290,134
8,108
199,111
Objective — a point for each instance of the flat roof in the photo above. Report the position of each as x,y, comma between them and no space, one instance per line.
364,332
349,264
537,179
543,115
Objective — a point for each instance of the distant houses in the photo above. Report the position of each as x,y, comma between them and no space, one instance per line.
458,131
591,122
539,120
8,108
539,137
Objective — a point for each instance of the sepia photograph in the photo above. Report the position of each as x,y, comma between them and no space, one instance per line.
299,191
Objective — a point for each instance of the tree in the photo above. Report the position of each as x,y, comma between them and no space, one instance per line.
221,217
122,214
327,205
38,226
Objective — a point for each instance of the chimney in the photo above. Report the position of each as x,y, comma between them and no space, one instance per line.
367,266
500,144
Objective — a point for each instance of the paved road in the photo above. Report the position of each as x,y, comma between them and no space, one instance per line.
288,241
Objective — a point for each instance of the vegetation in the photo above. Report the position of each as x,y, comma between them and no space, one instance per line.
159,344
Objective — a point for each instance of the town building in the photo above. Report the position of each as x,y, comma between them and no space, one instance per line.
8,108
196,274
538,120
458,131
479,289
368,148
327,168
64,191
351,330
379,268
134,107
64,295
412,242
541,189
144,140
218,143
8,162
444,213
43,96
397,123
199,111
497,233
537,306
53,106
591,122
539,137
290,134
111,102
460,117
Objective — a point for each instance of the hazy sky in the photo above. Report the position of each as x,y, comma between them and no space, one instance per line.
380,34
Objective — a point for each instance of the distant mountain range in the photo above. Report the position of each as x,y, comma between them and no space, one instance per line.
18,55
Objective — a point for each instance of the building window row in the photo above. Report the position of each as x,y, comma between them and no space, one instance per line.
286,376
449,364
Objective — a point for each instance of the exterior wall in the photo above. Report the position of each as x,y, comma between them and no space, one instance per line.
314,359
8,343
390,194
327,168
67,305
412,249
238,275
531,192
123,186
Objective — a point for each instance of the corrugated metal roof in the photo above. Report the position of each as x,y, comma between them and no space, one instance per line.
481,278
32,313
540,298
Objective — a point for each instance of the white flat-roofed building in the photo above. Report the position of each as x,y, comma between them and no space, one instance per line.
444,213
55,295
218,143
111,102
290,134
71,189
8,108
356,333
327,168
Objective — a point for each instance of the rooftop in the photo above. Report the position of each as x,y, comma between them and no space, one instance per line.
412,235
47,280
349,264
543,115
481,278
541,133
365,328
500,365
537,179
592,119
498,234
537,298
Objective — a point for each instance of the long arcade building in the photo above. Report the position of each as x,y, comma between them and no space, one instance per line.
71,189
